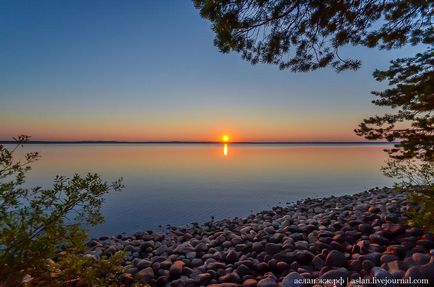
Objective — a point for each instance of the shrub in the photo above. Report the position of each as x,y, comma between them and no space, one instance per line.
42,231
417,179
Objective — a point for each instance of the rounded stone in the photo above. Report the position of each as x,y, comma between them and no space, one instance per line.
318,262
250,283
267,282
337,274
144,275
142,264
368,265
335,259
272,248
231,256
293,279
176,269
380,273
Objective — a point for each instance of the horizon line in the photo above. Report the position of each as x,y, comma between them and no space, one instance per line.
191,142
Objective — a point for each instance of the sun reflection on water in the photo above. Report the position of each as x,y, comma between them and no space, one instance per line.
225,149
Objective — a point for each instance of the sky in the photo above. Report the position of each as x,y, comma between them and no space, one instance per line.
141,70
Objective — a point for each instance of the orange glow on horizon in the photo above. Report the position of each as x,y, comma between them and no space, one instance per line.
84,129
56,126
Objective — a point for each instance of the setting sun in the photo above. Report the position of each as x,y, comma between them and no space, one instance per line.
225,138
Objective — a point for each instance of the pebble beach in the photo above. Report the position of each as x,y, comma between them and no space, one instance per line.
333,241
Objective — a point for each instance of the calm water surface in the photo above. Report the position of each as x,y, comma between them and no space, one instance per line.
181,183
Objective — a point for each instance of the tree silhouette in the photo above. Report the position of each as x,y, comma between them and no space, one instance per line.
411,91
305,35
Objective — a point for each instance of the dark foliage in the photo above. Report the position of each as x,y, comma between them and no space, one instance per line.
411,93
39,224
416,178
305,35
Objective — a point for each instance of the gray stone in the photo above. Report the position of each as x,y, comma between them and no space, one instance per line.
267,282
380,273
272,248
142,264
335,259
340,274
203,278
231,256
144,275
318,262
184,248
293,279
215,265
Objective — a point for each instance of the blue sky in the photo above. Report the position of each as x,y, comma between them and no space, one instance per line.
148,70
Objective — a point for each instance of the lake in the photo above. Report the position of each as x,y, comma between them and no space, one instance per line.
182,183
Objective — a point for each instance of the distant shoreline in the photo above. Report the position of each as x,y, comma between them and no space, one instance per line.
208,142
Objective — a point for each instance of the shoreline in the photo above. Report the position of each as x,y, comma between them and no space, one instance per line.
351,236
